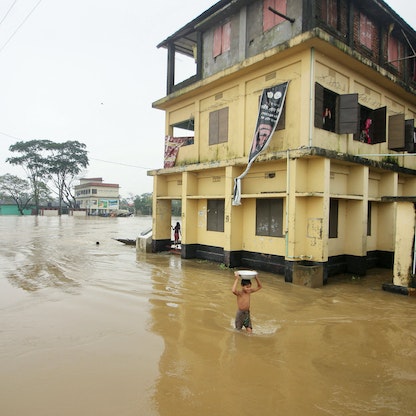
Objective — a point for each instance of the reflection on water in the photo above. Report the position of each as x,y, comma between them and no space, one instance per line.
89,329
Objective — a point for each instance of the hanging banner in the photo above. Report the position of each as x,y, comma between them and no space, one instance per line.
270,108
172,145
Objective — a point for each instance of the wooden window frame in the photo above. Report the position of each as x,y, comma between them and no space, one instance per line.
397,133
218,126
395,52
343,109
333,218
366,31
215,215
410,135
222,39
376,132
369,210
330,13
269,217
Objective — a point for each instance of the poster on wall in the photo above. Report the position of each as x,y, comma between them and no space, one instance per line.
270,108
172,146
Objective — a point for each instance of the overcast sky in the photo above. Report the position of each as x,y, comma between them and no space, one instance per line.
89,70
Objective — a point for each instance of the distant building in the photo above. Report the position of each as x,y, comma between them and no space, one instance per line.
97,197
344,139
9,207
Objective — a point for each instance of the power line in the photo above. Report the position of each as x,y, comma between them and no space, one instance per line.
9,135
8,11
121,164
21,24
91,158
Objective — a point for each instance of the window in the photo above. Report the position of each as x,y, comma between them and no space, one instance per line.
366,31
325,108
369,219
185,130
397,139
94,191
222,39
215,215
269,217
333,218
413,69
395,52
330,12
271,19
372,125
218,126
401,134
410,136
334,112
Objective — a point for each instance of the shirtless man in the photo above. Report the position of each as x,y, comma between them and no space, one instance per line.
242,317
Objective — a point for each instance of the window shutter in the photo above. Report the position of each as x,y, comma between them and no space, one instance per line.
379,125
393,51
216,49
271,19
396,132
333,218
226,37
347,114
409,134
223,125
213,127
319,105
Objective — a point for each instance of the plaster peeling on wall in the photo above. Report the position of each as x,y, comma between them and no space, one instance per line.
315,228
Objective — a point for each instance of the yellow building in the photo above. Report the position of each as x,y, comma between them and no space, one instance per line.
97,197
314,199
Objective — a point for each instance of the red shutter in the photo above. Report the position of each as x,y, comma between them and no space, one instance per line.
216,49
226,37
271,19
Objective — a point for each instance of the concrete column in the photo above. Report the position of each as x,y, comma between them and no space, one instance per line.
233,221
189,225
161,217
404,238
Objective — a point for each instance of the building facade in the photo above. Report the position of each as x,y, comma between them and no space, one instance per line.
345,140
96,197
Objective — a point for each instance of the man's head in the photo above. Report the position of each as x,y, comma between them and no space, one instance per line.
246,282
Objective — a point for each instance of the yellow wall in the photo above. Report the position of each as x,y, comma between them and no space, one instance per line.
306,183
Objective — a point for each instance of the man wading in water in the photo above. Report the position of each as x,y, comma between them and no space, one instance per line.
242,317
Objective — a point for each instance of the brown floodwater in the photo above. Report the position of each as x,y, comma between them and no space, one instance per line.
94,329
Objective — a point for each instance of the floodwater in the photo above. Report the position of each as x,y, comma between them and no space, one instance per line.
94,329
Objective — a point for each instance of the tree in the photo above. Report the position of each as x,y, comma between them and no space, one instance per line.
17,189
66,162
176,207
143,204
34,160
45,160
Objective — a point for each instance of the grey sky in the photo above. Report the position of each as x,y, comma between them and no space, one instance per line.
89,70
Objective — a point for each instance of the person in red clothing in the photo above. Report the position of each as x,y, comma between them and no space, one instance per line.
176,233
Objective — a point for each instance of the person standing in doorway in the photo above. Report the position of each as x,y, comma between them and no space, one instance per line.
176,233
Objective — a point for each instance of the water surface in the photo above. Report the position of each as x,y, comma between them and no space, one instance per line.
96,329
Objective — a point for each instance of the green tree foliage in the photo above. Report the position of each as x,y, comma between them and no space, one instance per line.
45,160
143,204
177,208
16,189
66,161
33,158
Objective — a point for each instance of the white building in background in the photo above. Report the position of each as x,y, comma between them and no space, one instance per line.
97,197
